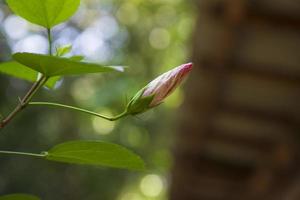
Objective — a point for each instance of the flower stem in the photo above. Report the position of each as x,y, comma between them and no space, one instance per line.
49,41
29,95
24,153
24,101
123,114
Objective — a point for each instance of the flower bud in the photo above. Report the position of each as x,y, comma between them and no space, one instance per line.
157,90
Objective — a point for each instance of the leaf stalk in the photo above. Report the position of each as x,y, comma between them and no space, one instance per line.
24,153
123,114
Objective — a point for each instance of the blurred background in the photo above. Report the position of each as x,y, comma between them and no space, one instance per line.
231,133
148,36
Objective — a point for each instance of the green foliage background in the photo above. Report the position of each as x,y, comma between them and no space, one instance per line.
151,37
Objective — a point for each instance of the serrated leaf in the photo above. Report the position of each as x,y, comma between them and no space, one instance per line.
57,66
95,153
19,197
20,71
46,13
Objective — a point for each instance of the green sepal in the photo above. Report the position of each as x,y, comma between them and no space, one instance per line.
139,104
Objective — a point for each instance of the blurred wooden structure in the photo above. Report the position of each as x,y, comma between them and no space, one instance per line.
239,138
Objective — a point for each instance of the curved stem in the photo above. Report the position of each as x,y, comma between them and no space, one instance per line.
123,114
23,153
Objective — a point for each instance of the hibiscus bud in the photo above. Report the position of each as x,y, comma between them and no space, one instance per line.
158,89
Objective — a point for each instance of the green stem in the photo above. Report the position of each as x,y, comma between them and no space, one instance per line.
39,84
29,95
24,101
23,153
123,114
49,41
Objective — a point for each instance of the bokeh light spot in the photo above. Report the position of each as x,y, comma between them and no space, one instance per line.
83,89
131,196
151,185
33,44
166,16
128,14
15,27
102,126
88,42
159,38
106,26
134,136
93,46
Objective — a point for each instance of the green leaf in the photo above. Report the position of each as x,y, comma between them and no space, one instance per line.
46,13
77,58
95,153
57,66
51,83
63,50
18,197
20,71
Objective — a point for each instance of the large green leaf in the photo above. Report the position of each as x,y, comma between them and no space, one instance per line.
18,197
57,66
95,153
46,13
20,71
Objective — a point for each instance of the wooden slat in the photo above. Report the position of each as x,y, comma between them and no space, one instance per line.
258,15
253,69
212,154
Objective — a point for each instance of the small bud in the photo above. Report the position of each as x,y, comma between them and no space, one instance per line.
157,90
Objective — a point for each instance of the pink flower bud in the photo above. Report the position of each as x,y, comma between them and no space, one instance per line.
157,90
165,84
